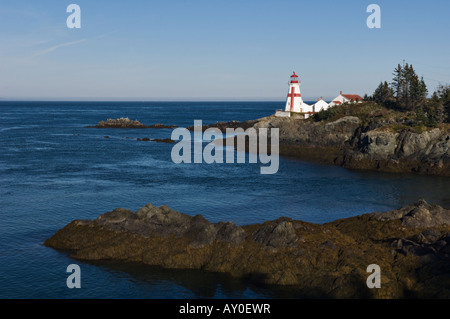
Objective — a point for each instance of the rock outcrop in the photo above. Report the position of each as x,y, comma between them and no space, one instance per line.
222,126
125,122
349,143
159,125
411,245
159,140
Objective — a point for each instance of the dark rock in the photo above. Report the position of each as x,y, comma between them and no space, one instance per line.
123,122
350,143
445,249
229,232
410,248
328,244
439,244
164,140
428,258
159,125
164,221
327,260
116,216
418,215
431,234
276,234
222,126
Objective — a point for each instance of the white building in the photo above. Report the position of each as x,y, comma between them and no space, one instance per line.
297,108
320,105
345,98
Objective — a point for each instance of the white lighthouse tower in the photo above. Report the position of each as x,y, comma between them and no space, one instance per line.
294,98
294,102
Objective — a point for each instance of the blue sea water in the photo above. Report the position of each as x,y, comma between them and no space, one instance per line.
54,170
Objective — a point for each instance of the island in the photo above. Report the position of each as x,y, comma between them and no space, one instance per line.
125,122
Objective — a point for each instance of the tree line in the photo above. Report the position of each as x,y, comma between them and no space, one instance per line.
408,92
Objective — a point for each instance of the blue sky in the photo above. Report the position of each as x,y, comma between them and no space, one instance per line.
215,50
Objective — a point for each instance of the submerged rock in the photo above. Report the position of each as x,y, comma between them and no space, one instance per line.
164,140
411,245
159,125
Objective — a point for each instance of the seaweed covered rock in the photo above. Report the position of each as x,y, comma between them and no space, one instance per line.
411,245
123,122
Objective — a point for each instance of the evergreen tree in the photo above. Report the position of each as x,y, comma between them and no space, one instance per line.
367,98
384,94
410,92
441,97
398,84
417,92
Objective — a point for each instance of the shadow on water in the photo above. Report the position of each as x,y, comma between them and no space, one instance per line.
201,284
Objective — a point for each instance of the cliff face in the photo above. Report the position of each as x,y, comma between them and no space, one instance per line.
411,245
347,142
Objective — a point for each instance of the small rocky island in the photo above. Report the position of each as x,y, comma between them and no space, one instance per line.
411,245
125,122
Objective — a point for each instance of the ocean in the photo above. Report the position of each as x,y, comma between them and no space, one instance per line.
53,169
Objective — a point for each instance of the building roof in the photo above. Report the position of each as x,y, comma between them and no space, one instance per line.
354,97
337,102
321,102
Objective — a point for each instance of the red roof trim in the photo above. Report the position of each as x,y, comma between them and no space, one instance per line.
354,97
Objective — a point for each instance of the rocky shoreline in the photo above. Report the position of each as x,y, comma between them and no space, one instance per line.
350,143
411,245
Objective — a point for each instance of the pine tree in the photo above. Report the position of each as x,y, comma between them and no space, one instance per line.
410,92
384,94
397,83
443,97
417,92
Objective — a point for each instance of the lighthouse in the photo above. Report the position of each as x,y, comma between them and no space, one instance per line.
294,102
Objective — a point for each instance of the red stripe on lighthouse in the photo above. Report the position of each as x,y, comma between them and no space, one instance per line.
292,95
